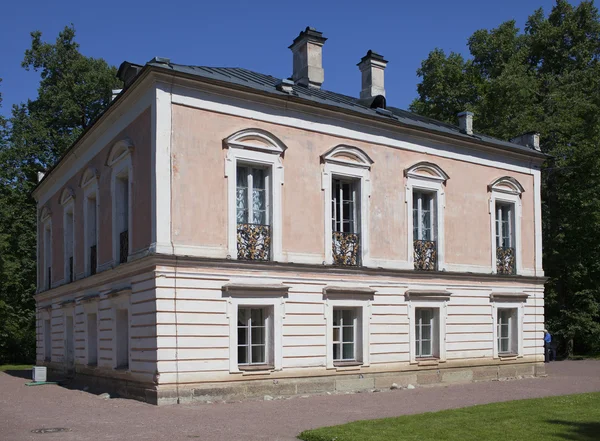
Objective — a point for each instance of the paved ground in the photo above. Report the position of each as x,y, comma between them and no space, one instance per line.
89,417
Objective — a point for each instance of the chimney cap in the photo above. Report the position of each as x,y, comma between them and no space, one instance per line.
371,55
465,113
311,34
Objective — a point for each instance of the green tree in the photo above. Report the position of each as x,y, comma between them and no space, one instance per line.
544,79
73,91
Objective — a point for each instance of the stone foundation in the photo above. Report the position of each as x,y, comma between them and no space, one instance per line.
117,383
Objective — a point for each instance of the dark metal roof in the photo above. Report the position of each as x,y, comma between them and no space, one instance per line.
268,84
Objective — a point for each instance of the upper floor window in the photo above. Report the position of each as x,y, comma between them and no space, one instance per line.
425,184
254,171
67,201
46,219
345,220
505,209
253,212
89,183
121,183
346,183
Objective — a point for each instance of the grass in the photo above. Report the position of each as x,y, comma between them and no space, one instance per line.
15,367
569,417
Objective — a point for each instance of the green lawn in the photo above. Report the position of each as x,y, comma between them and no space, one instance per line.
15,367
570,417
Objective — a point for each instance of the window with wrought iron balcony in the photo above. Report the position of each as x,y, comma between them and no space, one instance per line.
505,243
252,208
345,222
424,231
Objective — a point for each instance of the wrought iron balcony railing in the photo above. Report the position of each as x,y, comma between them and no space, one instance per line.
253,241
425,255
71,269
346,248
505,260
123,246
93,259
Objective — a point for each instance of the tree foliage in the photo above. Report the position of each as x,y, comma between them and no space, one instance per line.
73,91
547,79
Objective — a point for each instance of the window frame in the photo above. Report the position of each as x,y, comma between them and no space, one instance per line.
337,166
506,190
91,307
428,299
426,178
122,166
250,187
265,296
119,300
510,301
255,148
359,299
90,187
268,341
47,255
69,209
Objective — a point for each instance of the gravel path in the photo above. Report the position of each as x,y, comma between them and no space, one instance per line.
89,417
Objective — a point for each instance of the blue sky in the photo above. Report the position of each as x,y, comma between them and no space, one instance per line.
254,35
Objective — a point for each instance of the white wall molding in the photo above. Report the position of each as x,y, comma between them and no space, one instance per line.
101,134
161,165
338,126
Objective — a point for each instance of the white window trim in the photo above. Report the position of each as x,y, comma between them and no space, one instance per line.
425,299
429,178
339,167
355,298
520,308
515,200
91,308
119,300
123,162
242,150
244,296
90,187
69,208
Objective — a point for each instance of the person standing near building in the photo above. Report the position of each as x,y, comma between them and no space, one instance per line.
547,341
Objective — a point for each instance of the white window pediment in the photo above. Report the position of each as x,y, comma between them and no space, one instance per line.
119,150
45,214
347,155
508,185
66,195
427,171
90,176
255,139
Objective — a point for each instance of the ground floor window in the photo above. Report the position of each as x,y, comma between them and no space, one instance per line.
47,340
507,331
92,339
255,347
122,339
426,330
346,336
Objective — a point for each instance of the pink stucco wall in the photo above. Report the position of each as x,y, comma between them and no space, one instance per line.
200,192
140,135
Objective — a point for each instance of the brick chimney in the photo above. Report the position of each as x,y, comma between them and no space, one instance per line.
308,58
530,139
372,67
